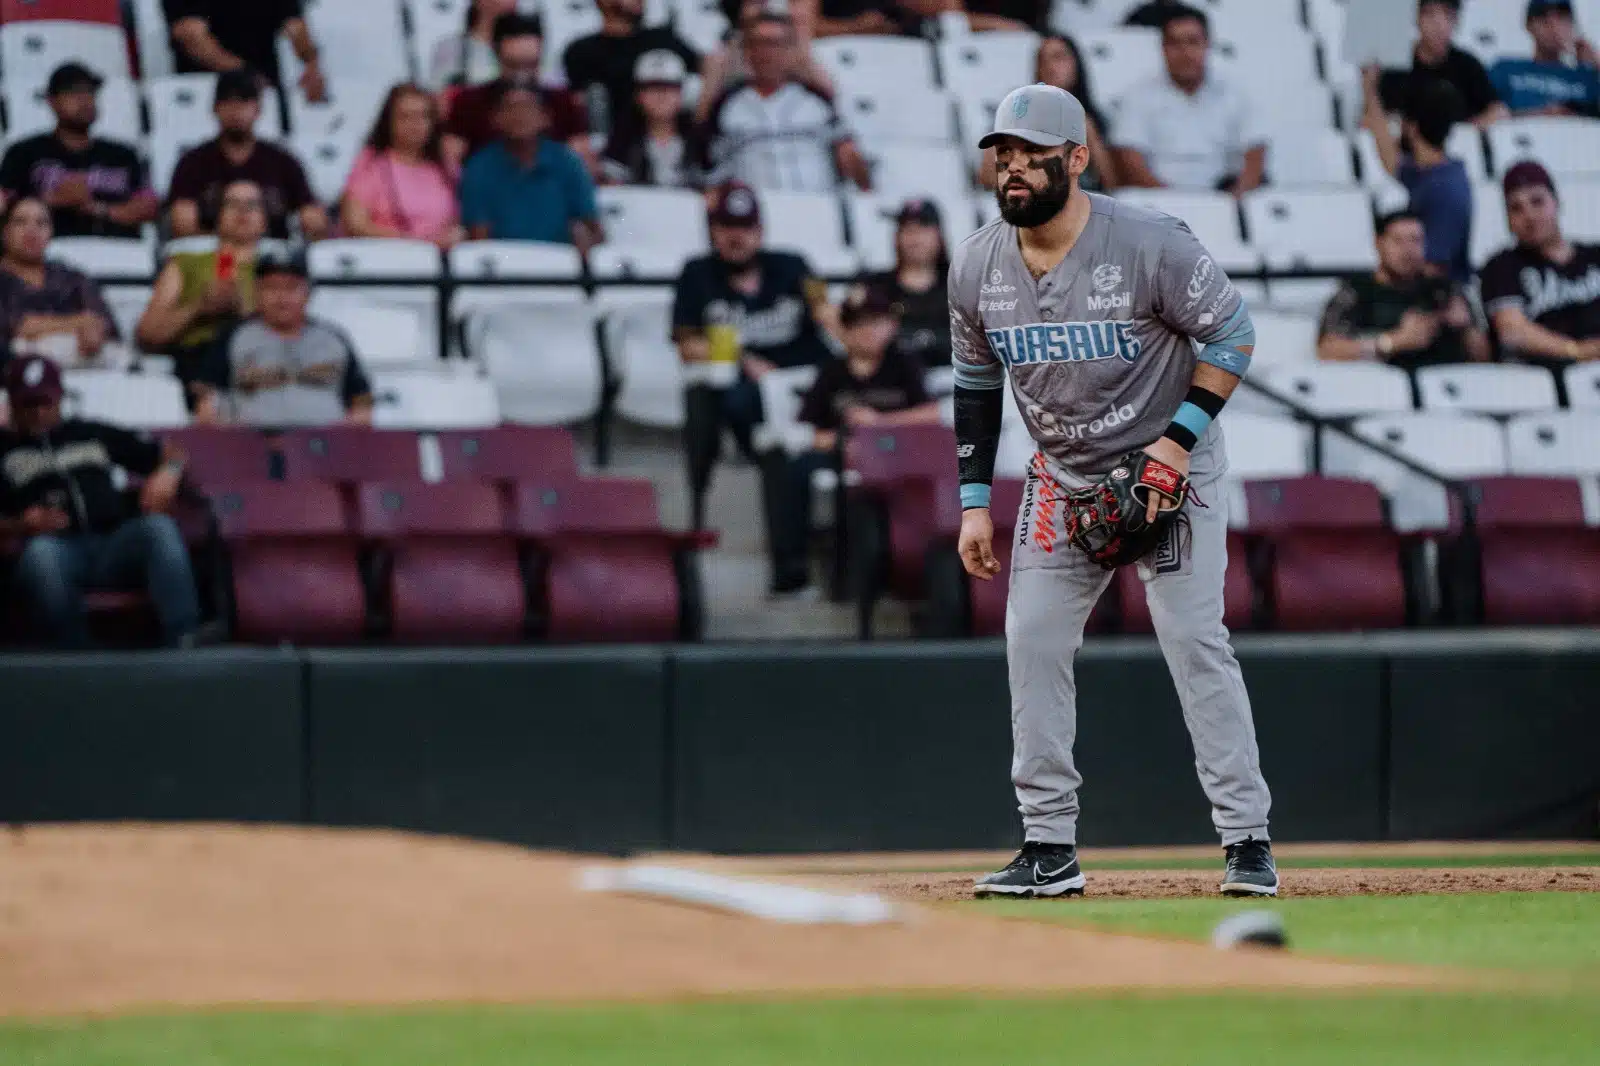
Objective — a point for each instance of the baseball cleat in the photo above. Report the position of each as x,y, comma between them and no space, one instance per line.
1251,871
1039,870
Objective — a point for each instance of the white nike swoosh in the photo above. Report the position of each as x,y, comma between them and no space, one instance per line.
1040,875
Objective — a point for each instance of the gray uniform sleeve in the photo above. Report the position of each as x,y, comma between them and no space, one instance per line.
1194,297
975,364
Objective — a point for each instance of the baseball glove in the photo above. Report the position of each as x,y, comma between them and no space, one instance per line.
1107,520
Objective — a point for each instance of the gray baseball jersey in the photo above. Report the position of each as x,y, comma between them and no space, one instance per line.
1099,350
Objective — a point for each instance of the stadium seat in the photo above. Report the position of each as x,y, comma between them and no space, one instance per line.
1312,230
347,455
551,273
1487,388
294,563
870,64
133,401
384,337
1332,561
1310,158
1554,442
811,224
1284,340
1296,104
403,276
987,599
701,23
356,40
105,257
448,566
1213,216
544,361
28,113
1119,58
1490,233
1465,143
328,160
381,259
641,352
181,110
30,51
1450,445
1259,54
670,220
564,22
1582,382
1566,146
1339,390
911,171
606,569
1265,446
1537,558
889,116
153,37
222,456
987,65
895,473
103,12
1493,31
427,400
508,453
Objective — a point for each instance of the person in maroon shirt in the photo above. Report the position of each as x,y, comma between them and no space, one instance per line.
1543,296
519,44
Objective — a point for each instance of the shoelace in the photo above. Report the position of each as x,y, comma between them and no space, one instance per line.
1248,855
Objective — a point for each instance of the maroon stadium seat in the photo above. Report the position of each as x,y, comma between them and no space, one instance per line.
296,565
1335,564
450,565
900,470
609,571
1540,563
508,453
107,12
219,455
350,454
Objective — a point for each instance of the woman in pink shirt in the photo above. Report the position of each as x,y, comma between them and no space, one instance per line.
400,185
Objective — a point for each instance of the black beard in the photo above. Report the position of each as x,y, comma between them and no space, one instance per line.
76,128
1039,208
236,137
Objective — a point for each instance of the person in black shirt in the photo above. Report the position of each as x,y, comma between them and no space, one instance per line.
221,35
737,315
601,65
56,489
40,300
94,187
1436,59
916,285
873,385
1401,314
1542,296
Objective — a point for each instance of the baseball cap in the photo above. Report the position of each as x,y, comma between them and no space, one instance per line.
277,261
864,303
1525,175
241,84
923,211
32,379
659,67
735,204
1544,7
72,77
1039,114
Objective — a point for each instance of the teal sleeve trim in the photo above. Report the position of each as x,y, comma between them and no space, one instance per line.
1223,357
990,376
974,496
1193,419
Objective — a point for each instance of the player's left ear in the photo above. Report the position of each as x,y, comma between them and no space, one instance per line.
1078,160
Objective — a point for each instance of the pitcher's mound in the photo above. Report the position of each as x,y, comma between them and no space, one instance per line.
97,919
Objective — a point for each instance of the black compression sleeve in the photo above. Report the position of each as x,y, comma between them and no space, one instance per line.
978,414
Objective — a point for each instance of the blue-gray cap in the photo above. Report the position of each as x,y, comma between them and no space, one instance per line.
1039,114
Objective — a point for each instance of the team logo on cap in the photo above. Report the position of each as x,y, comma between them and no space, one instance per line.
1019,106
740,202
33,373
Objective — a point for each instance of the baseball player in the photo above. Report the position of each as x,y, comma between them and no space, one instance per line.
1122,341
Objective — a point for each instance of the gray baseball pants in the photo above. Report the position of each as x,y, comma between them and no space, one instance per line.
1054,586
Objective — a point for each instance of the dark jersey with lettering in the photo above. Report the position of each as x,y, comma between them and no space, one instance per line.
774,323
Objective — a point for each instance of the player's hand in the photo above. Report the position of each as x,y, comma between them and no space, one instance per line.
977,544
1166,451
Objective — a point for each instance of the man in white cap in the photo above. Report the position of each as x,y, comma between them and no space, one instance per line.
652,146
1093,308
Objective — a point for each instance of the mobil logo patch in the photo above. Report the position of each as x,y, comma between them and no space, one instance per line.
1064,342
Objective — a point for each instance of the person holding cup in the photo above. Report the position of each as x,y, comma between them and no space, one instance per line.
738,314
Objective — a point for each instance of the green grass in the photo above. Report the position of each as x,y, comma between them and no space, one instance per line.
1394,1030
1550,932
1328,862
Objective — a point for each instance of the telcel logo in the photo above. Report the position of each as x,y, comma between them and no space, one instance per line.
1118,302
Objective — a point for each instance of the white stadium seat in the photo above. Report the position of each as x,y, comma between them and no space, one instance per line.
30,51
1583,386
132,401
1490,233
431,22
1466,144
1294,104
1284,340
1387,192
154,39
701,23
1310,158
988,65
385,336
639,343
668,221
1213,216
1257,55
870,64
433,401
564,22
105,257
810,224
356,39
1487,389
1554,443
1494,30
1314,230
1564,145
552,271
543,362
1119,58
891,117
1339,390
388,263
1265,446
1454,446
181,109
28,113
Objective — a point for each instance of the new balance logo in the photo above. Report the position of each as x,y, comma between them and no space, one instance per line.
1108,302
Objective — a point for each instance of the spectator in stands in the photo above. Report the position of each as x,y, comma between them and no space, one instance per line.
519,47
199,295
1436,59
400,185
1401,314
527,187
1543,295
95,187
469,58
238,35
1059,62
205,172
655,145
741,311
873,385
600,67
1441,192
726,65
284,368
57,490
1561,78
40,300
774,132
915,288
1189,128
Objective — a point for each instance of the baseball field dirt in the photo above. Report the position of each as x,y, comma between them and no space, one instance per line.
107,919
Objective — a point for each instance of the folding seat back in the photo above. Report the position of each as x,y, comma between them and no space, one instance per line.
1451,446
811,224
393,510
509,453
1282,505
30,51
1583,386
423,400
1554,442
670,220
1537,555
133,401
1120,58
782,394
884,458
988,64
1339,390
898,116
1264,446
1564,145
1487,388
585,507
869,63
350,454
1311,158
1323,230
1284,339
218,456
